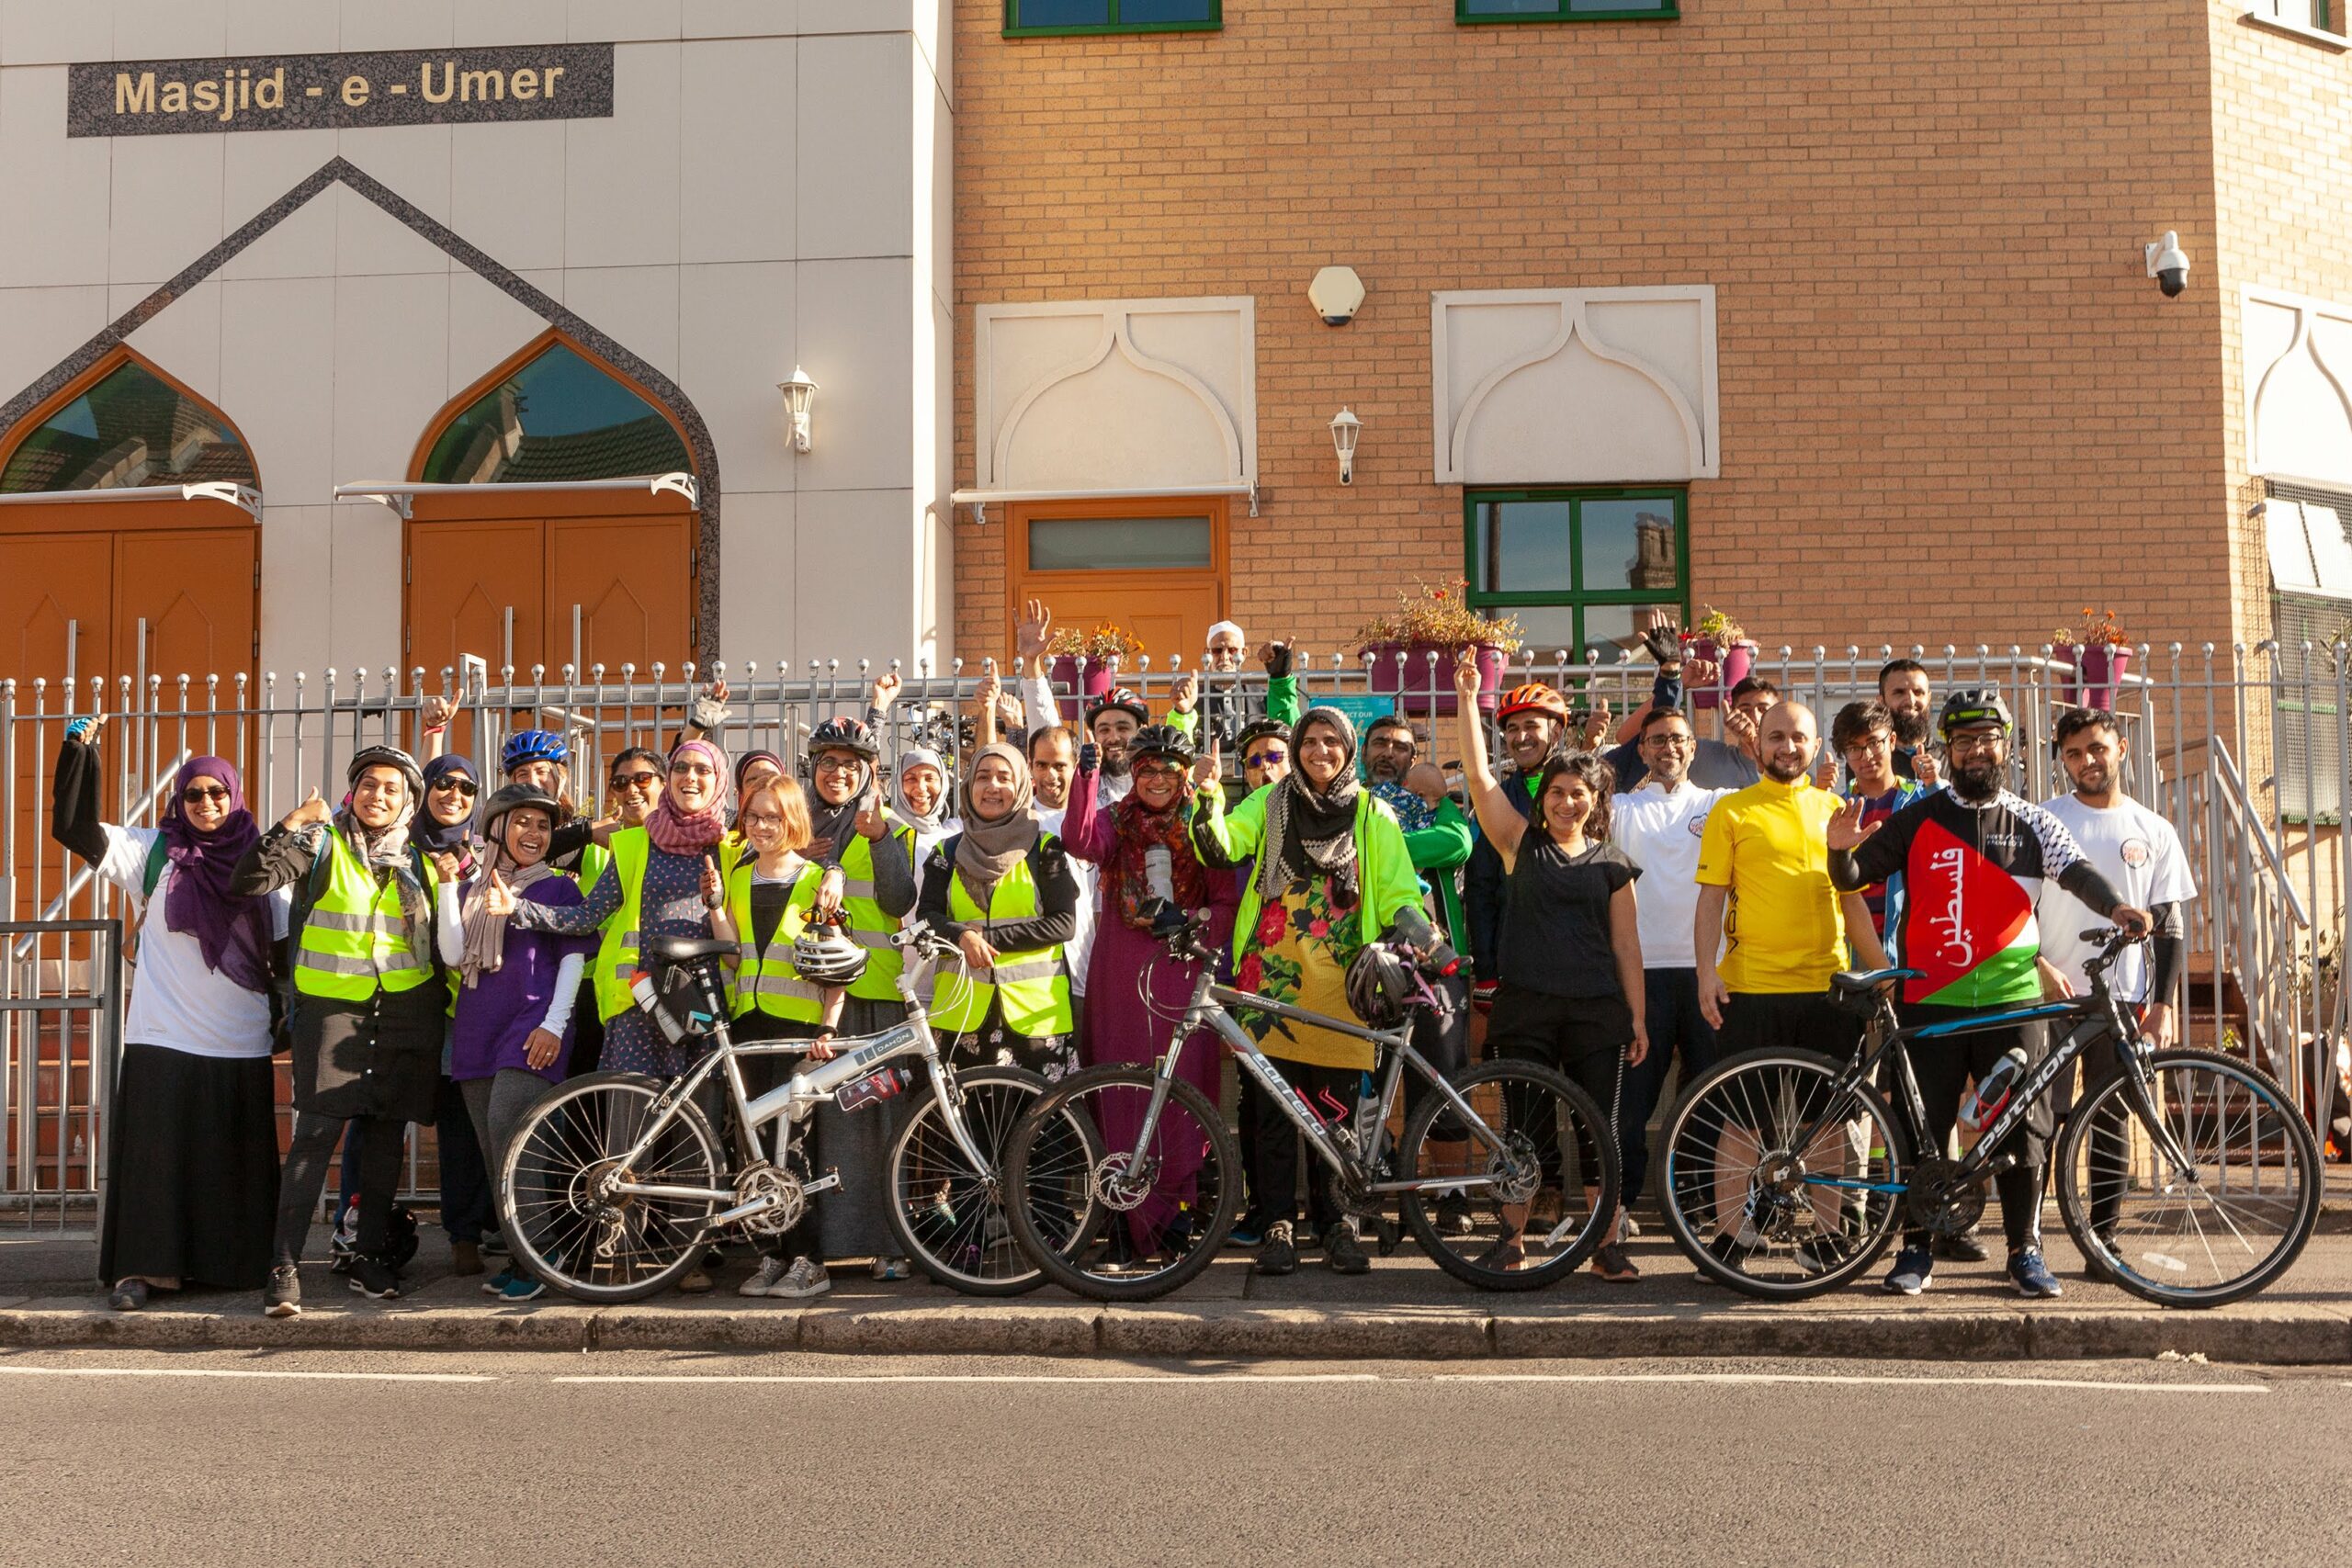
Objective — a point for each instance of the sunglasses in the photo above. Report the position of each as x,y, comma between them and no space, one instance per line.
1265,758
636,781
466,787
196,795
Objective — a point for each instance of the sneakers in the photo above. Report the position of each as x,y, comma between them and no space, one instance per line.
496,1284
1343,1250
1451,1214
465,1257
493,1245
892,1269
1609,1261
770,1270
695,1282
1962,1249
806,1278
370,1278
521,1287
2031,1276
1277,1254
282,1297
1249,1232
1913,1266
128,1296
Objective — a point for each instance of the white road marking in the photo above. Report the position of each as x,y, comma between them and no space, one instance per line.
246,1373
1185,1380
1856,1379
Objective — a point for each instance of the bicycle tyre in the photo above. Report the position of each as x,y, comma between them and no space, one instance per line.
546,1228
1421,1218
1749,1079
2283,1121
1079,1094
955,1249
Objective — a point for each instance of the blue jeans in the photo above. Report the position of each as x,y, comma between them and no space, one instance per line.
1675,1027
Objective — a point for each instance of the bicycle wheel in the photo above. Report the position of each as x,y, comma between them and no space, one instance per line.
629,1247
950,1218
1099,1219
1556,1144
2167,1235
1756,1213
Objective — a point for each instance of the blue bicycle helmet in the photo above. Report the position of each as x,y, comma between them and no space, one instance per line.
533,746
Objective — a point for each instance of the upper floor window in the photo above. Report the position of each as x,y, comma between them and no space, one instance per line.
1565,10
558,417
1581,569
130,428
1030,17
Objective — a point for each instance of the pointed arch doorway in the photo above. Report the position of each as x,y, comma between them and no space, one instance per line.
521,571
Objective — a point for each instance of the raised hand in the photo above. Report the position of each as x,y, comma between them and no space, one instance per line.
1596,726
1186,692
1090,757
313,810
1924,768
718,690
1274,657
436,713
445,866
1741,729
1031,633
1825,771
886,691
498,898
86,729
713,890
1698,674
871,821
1207,765
1847,830
989,690
1467,679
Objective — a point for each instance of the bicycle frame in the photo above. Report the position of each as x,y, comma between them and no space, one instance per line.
795,1100
1208,1009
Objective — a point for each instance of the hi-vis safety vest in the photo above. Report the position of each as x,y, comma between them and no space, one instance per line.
861,913
1036,985
615,960
356,937
764,980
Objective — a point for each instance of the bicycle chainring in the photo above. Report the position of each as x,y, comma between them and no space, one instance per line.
766,1182
1940,1201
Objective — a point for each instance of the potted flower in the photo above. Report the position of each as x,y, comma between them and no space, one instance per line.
1087,659
2100,653
1412,649
1724,643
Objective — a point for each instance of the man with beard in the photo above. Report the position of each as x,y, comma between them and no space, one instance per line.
2139,852
1052,761
1902,687
1533,719
1976,863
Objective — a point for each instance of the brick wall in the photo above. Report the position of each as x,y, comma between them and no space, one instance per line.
1952,408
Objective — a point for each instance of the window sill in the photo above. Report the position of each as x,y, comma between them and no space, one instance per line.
2336,44
1115,29
1669,14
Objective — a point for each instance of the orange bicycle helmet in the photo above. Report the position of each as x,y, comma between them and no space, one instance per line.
1534,697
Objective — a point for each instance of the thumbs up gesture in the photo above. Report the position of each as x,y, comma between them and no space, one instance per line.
313,810
498,898
1207,765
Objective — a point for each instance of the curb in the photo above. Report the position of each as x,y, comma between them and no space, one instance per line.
2286,1336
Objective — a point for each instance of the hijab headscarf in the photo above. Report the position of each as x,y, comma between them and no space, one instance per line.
1311,833
386,849
935,818
675,831
436,837
831,828
986,850
485,951
231,932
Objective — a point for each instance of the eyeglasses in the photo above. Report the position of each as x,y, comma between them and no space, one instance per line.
196,794
762,820
1266,758
1158,771
636,781
1671,741
837,764
466,787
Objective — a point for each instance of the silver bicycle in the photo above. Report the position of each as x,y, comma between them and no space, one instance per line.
616,1182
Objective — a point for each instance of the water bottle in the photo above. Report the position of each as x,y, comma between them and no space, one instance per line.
1983,1105
881,1084
1159,873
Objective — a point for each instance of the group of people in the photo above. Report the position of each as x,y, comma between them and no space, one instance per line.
1635,898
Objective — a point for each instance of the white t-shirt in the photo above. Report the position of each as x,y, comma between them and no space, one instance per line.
2139,853
1658,829
175,1001
1088,890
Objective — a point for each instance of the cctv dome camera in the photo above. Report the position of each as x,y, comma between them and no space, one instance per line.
2168,265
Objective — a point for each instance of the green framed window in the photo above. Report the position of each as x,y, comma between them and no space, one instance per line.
1579,567
1467,12
1046,18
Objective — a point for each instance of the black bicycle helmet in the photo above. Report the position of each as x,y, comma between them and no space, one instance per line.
1380,986
515,797
1161,741
827,956
1972,707
1257,730
844,734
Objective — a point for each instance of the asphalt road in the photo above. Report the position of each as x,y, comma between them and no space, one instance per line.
419,1460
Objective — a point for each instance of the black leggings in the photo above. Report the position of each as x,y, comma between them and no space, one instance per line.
1331,1094
1942,1068
1584,1038
383,1147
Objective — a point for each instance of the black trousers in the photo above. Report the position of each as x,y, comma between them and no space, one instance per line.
1584,1038
383,1147
1943,1069
1678,1030
1331,1093
1444,1040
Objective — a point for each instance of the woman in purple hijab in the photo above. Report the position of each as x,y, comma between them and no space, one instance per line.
192,1161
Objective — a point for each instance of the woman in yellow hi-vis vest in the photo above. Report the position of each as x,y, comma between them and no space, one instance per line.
375,924
1002,890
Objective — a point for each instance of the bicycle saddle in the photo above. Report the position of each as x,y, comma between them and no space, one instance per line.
684,949
1860,982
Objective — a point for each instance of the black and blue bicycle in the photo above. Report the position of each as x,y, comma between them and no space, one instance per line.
2186,1176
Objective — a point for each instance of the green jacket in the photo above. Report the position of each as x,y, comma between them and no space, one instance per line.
1384,864
1438,850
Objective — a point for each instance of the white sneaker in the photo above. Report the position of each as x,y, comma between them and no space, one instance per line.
764,1278
806,1278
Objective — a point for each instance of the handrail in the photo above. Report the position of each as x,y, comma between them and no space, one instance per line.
2235,783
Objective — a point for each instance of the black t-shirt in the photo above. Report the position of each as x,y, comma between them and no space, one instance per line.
1556,917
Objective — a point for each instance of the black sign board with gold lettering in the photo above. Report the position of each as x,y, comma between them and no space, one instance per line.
297,92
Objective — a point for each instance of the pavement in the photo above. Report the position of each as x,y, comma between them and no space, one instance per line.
1404,1309
296,1458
